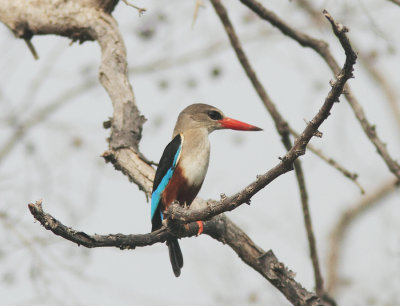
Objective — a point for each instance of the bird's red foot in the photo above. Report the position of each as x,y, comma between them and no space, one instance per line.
201,227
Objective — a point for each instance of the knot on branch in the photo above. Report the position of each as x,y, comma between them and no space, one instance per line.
273,268
21,30
301,151
126,129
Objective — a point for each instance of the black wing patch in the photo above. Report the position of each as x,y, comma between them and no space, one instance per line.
167,159
163,174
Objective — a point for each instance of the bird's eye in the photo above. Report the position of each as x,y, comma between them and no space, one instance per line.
214,115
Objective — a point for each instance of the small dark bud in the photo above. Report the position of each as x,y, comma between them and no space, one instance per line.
107,124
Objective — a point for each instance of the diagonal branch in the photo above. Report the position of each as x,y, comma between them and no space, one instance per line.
322,49
211,208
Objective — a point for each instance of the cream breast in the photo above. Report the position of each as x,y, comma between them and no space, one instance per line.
195,156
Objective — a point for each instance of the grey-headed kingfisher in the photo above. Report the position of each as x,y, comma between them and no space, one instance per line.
184,163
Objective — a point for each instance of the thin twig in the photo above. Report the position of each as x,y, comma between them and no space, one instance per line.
342,226
350,175
199,4
139,9
31,48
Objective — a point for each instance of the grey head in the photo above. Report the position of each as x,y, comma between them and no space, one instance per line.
199,116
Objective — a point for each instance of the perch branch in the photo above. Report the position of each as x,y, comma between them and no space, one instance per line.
219,228
212,208
286,164
113,240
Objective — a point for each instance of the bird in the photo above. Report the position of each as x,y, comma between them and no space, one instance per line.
183,166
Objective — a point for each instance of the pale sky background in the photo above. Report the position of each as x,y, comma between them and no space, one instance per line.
59,160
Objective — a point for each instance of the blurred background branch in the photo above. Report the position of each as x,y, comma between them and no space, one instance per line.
343,225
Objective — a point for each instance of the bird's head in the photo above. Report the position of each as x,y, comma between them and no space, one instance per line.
208,117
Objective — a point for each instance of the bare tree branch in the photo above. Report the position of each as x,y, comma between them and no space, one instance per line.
113,240
219,228
322,49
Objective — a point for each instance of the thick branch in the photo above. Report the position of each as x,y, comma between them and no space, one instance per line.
265,263
83,20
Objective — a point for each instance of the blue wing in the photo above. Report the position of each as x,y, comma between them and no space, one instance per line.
164,172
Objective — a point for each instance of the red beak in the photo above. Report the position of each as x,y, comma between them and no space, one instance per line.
229,123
